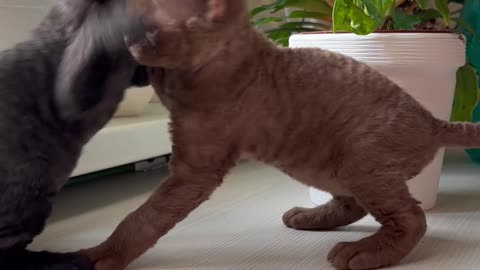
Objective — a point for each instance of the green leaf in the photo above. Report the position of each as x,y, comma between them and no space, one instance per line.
428,14
282,33
349,17
291,30
303,14
373,11
280,36
384,6
442,7
403,21
267,20
466,94
422,4
311,5
260,9
312,26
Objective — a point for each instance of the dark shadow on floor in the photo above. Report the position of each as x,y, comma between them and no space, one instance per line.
122,187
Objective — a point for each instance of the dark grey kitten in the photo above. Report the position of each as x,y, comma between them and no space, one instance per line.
57,89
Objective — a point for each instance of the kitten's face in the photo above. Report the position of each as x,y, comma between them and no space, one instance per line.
95,63
183,32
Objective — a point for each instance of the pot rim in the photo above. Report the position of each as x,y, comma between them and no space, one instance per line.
384,32
388,35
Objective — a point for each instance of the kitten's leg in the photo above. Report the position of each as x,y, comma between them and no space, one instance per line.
403,225
339,212
191,182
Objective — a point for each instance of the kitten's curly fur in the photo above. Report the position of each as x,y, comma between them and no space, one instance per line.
323,118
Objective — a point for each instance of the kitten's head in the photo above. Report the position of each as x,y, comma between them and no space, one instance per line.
95,63
186,33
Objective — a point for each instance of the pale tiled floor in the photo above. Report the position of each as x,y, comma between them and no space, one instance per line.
241,228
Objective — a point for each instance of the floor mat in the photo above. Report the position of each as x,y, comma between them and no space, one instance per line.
241,228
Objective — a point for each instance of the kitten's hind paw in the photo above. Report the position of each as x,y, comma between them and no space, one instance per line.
339,212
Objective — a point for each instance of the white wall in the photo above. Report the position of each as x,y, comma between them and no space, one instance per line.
18,18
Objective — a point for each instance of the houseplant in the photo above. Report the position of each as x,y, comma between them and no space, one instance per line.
471,14
412,43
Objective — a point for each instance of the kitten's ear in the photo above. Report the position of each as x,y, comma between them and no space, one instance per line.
217,10
221,10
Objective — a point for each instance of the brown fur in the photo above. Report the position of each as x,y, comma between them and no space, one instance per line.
326,120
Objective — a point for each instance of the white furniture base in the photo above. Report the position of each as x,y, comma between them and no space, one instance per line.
127,139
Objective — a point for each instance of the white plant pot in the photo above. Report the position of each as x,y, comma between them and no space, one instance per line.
422,63
135,101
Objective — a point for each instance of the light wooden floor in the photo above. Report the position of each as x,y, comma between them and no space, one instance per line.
240,227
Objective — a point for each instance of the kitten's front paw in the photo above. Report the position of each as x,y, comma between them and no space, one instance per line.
368,253
109,263
297,218
105,259
323,218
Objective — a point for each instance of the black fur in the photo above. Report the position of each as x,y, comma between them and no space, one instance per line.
15,259
57,89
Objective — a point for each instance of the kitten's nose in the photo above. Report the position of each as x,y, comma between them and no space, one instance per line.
150,39
132,37
149,33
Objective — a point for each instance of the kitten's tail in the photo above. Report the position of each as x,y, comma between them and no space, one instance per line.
459,134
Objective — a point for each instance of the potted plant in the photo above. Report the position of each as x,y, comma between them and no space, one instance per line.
471,14
417,45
